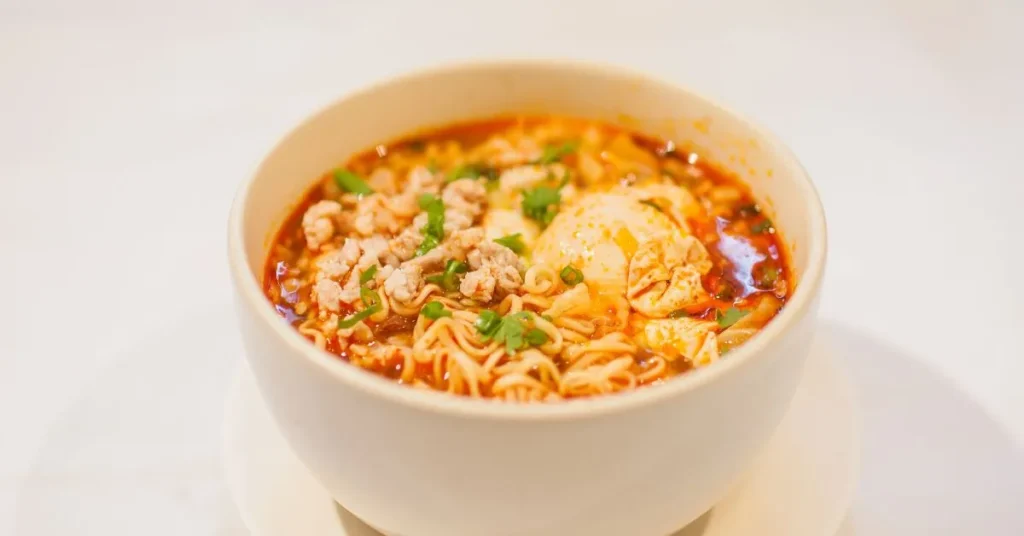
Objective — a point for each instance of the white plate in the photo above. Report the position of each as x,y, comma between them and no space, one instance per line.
801,485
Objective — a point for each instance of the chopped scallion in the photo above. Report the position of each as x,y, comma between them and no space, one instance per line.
513,242
571,276
350,182
354,319
434,310
367,275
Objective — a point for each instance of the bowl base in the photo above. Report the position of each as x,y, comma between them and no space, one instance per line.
801,484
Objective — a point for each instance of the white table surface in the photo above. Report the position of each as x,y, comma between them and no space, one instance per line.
125,128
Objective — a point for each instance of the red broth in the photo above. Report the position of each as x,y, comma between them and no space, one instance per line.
748,272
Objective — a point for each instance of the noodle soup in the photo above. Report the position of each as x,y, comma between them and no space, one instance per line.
528,259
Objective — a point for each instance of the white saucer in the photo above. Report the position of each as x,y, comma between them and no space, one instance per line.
801,485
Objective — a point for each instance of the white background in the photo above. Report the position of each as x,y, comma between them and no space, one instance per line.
125,128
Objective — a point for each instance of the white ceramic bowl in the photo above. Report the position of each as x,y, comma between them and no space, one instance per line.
427,464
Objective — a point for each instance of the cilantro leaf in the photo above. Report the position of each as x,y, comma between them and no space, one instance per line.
729,317
434,310
433,231
513,242
350,182
541,203
510,330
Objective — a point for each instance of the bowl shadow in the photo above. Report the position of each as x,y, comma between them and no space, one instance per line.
933,461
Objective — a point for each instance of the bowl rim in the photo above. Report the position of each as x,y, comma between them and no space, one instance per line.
250,292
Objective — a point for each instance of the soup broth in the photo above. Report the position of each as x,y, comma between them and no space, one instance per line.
528,259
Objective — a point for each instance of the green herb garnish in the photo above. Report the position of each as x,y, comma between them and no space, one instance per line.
433,231
465,171
729,317
510,330
487,323
513,242
535,337
549,318
417,145
541,203
679,313
571,276
350,182
354,319
554,153
472,171
432,166
448,280
369,297
367,275
762,226
434,310
428,243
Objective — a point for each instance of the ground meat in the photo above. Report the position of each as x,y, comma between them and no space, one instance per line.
456,247
350,292
496,269
320,222
404,245
456,220
375,251
404,284
421,180
491,253
520,177
383,180
327,293
460,243
374,215
465,196
430,261
482,284
502,153
335,264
